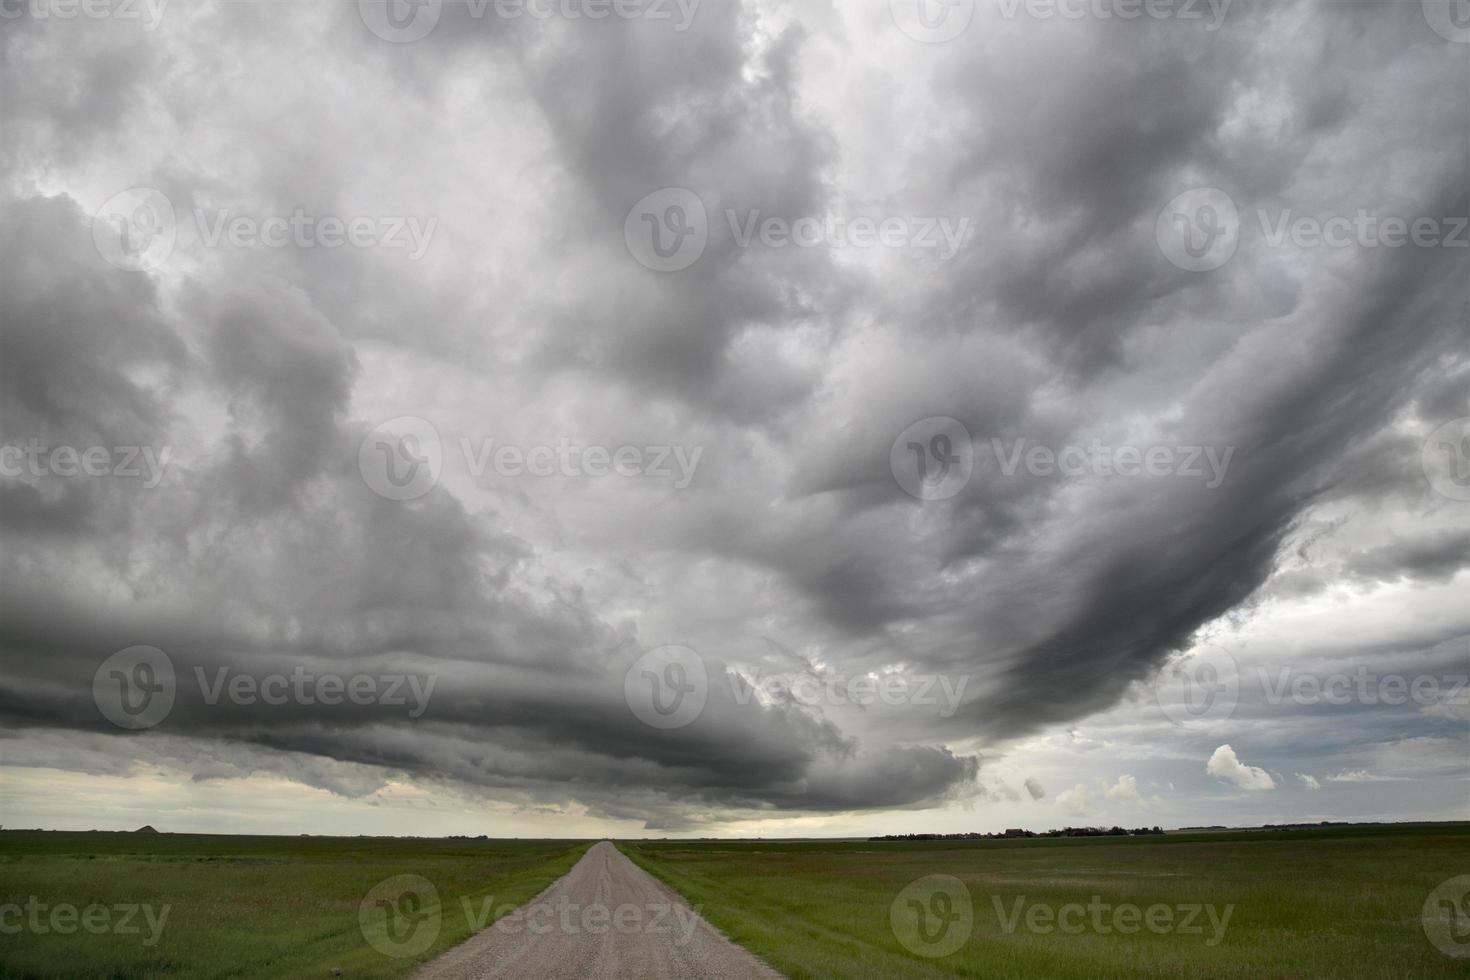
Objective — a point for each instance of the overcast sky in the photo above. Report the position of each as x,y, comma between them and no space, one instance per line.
730,418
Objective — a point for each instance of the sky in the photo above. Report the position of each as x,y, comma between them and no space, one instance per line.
656,418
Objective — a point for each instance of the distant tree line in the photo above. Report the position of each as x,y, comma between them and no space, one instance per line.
1013,833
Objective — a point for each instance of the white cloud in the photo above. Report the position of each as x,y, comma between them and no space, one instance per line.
1310,782
1362,776
1125,791
1224,764
1077,800
1082,799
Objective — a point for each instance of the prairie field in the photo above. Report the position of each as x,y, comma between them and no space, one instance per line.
1332,902
243,907
1323,902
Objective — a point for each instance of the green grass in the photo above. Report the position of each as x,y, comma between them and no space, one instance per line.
246,907
1328,902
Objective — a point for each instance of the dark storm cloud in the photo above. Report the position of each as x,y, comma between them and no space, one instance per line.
795,552
304,568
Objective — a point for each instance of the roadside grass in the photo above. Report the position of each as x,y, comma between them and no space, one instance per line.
249,907
1324,902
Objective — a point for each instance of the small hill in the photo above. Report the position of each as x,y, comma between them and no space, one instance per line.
145,829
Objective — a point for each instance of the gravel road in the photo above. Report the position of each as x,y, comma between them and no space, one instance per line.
605,918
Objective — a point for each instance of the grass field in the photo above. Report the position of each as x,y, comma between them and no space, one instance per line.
1336,902
1333,902
244,907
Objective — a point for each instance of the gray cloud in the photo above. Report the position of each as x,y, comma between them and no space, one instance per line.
794,553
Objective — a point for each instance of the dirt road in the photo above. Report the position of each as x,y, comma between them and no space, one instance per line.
605,918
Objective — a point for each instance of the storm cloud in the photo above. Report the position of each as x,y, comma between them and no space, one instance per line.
1147,445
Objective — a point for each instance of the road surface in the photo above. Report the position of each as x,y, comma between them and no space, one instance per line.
605,918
